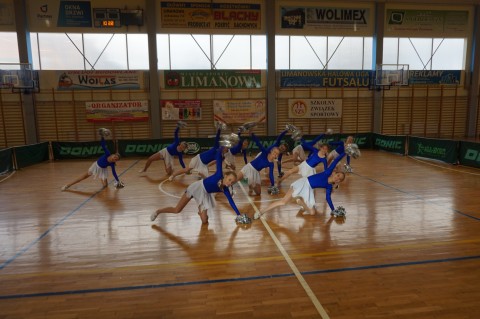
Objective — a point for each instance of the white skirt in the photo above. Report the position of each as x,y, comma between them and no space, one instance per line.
306,170
205,200
97,171
166,157
197,165
301,188
252,175
300,152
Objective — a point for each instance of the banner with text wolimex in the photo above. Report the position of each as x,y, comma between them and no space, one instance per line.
442,150
470,154
393,144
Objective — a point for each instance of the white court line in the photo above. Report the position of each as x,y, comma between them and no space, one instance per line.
294,268
439,166
9,175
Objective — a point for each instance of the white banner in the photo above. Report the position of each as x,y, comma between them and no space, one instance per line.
314,108
239,111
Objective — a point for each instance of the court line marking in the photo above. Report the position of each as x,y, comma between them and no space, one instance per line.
244,260
443,167
57,224
8,176
214,281
416,196
290,262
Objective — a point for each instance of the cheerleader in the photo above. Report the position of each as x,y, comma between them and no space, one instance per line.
239,148
203,192
303,189
307,167
201,161
264,159
168,153
340,148
99,168
298,153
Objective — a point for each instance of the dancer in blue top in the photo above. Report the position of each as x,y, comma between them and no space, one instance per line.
308,167
200,161
340,148
203,192
298,153
264,159
100,168
239,148
303,189
168,153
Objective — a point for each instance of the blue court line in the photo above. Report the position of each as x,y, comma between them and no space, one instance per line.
59,223
416,196
216,281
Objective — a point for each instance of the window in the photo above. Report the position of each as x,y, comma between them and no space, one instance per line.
425,53
321,52
9,51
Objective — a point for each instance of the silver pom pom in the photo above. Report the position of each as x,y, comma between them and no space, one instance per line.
339,212
352,150
229,140
273,190
329,131
347,168
181,124
104,132
296,133
220,126
243,219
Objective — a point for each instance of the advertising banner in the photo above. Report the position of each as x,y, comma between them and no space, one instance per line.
6,162
314,108
239,111
105,111
148,147
212,79
100,80
74,14
326,18
207,15
78,150
325,78
442,150
434,77
393,144
408,22
31,154
470,154
181,109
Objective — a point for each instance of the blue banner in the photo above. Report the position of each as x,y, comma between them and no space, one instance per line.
74,14
434,77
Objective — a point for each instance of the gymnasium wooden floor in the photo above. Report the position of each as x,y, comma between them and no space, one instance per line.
409,247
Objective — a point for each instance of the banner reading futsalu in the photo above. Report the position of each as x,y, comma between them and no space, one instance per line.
470,154
442,150
394,144
325,78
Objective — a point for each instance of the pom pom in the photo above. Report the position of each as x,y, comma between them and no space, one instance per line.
220,126
104,132
352,150
243,219
347,168
273,190
329,131
181,124
119,184
339,212
229,140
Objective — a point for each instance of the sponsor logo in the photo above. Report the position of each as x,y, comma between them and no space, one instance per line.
81,150
394,145
472,155
431,150
192,148
144,148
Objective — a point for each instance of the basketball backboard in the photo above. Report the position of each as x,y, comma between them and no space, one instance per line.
18,77
391,75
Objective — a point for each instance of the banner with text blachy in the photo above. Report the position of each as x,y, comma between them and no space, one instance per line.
100,80
212,79
394,144
325,78
208,15
470,154
442,150
314,108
